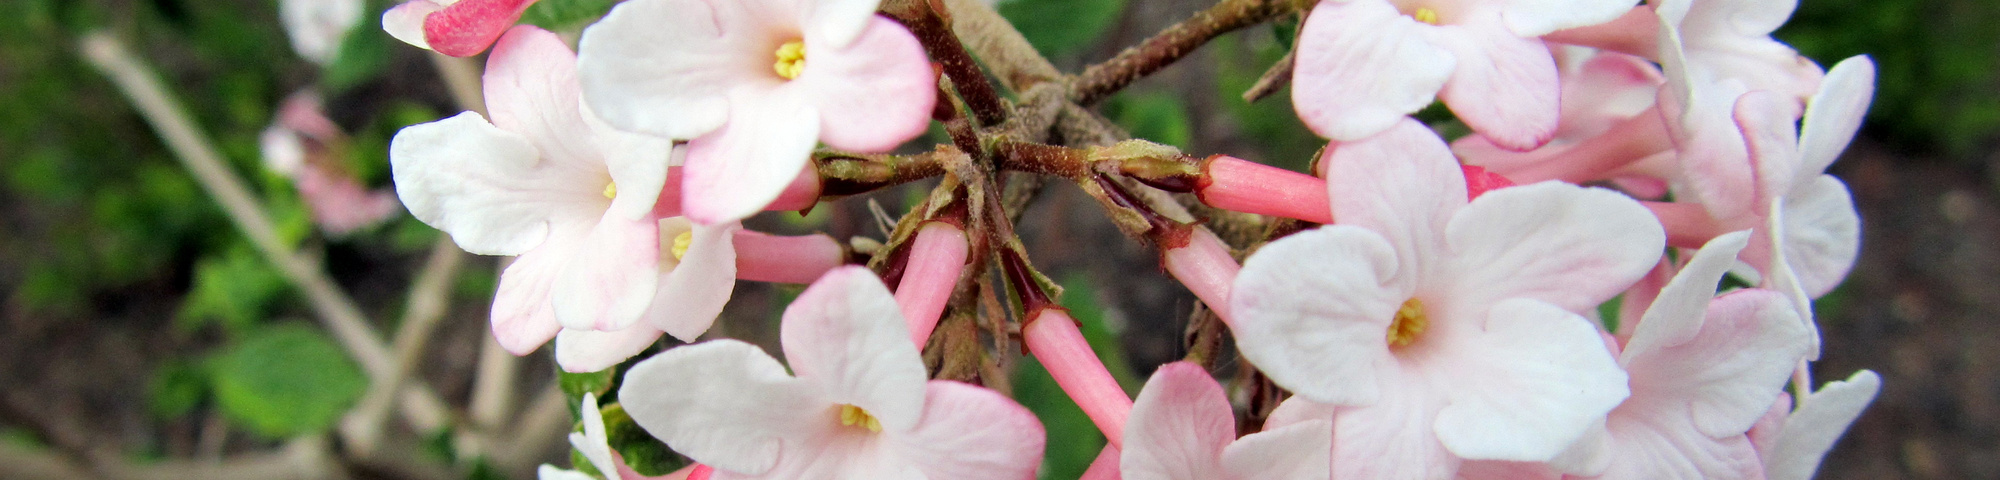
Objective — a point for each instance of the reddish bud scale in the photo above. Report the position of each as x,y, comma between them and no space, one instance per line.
1478,181
468,27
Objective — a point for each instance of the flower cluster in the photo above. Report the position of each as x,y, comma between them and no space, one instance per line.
1434,314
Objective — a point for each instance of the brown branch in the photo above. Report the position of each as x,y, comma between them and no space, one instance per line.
1276,78
928,24
1103,79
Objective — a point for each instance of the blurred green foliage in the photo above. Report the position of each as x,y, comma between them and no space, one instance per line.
1059,28
1936,89
285,380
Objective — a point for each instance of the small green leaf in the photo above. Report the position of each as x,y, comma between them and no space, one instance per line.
285,381
566,14
577,384
234,290
642,452
1062,27
176,389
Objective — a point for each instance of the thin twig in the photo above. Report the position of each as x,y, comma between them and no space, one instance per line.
430,294
1273,79
493,386
1102,80
332,305
996,42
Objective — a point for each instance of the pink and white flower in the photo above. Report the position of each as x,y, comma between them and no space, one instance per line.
1444,329
574,199
1183,428
460,28
1364,64
1794,442
1703,370
858,407
318,27
753,85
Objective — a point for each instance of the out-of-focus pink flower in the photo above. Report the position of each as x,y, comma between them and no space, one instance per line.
569,195
302,144
858,407
1444,329
460,28
1704,370
1183,428
1364,64
753,85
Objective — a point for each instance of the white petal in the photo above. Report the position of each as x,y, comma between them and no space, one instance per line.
1820,420
724,403
406,22
837,22
665,67
846,336
1676,314
550,472
1559,243
1179,426
485,186
1534,18
1732,370
610,279
1540,377
581,351
592,441
1312,312
1302,451
971,433
1403,184
693,294
734,172
1361,67
1834,114
1388,440
1822,234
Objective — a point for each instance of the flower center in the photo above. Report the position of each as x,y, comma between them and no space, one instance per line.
681,243
791,59
610,190
1426,15
854,416
1410,322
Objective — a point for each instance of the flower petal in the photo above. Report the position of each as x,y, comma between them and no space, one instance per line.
1834,114
486,187
846,335
1770,131
725,404
1361,67
1403,184
1504,86
1390,439
1731,371
580,351
693,294
467,27
1179,426
406,21
734,172
611,278
839,22
1301,451
523,316
1312,311
1822,234
1677,313
1820,420
875,93
972,433
665,67
1533,384
1570,246
1534,18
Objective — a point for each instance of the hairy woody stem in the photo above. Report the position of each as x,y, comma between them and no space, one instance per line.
1168,46
922,18
842,173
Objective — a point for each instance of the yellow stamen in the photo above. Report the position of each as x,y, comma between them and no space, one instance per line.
611,190
681,243
1426,15
791,59
854,416
1409,323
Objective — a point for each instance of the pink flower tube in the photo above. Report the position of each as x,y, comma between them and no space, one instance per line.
936,259
1052,337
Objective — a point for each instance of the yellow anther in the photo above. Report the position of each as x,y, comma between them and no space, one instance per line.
1426,15
854,416
681,243
611,190
791,59
1409,323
